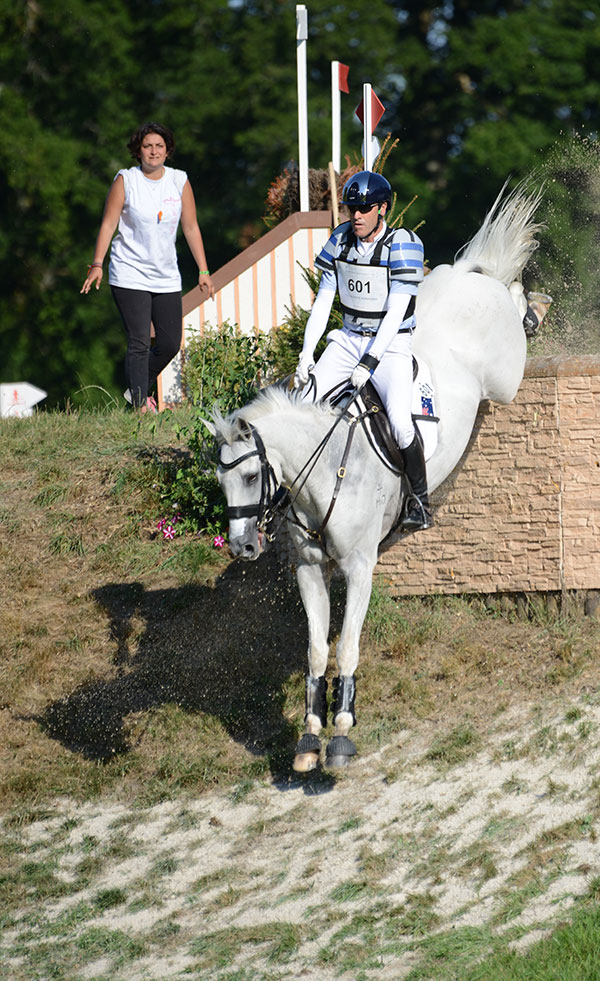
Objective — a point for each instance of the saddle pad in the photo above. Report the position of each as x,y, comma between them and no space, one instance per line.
376,423
423,408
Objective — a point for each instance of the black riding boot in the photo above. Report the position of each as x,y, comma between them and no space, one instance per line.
417,514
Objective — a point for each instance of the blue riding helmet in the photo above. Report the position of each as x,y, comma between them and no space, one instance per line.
367,187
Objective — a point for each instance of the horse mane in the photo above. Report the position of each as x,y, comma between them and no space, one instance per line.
506,240
272,400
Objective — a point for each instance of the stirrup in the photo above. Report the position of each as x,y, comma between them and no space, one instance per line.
417,516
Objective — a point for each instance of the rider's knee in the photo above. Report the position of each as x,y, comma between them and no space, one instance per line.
403,434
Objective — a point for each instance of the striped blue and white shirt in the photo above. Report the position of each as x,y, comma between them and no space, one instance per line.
399,251
402,251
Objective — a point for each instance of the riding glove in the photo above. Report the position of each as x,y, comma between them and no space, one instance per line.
305,363
363,371
360,377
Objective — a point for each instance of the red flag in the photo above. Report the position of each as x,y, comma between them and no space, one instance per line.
377,111
343,77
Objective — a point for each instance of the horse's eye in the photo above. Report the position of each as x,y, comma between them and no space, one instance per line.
251,478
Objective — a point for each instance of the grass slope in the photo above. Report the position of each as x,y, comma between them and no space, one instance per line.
140,674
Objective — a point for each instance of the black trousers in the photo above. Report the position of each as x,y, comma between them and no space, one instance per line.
143,361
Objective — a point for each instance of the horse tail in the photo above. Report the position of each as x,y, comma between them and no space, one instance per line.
506,240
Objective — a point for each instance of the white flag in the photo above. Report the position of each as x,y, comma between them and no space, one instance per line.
17,399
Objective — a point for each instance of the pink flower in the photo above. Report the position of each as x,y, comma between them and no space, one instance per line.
161,524
218,541
168,532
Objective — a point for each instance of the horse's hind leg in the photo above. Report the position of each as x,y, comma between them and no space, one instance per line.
313,582
358,571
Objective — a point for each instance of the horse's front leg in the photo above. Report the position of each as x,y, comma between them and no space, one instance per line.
358,570
314,582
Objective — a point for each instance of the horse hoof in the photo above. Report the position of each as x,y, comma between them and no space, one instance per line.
340,751
305,762
307,753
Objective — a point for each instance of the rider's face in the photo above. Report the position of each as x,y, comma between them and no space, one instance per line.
365,219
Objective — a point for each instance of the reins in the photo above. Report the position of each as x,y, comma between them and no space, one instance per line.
341,473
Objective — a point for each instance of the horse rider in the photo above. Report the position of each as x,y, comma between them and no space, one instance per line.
376,270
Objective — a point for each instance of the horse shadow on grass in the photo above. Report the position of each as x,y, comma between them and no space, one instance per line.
226,650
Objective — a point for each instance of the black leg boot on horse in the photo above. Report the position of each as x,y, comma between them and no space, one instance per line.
417,512
340,749
308,750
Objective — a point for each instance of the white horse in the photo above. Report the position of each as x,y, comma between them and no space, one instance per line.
470,333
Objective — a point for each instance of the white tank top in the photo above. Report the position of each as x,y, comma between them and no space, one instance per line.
142,255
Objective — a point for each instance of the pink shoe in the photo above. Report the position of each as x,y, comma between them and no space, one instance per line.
151,405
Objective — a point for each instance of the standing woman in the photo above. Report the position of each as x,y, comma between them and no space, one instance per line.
147,202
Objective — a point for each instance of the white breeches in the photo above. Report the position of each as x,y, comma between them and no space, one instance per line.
392,378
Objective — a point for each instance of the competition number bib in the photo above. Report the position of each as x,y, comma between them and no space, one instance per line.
362,288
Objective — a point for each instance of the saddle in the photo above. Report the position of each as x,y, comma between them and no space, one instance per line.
378,429
376,424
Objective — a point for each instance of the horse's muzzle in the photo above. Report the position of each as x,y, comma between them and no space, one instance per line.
247,547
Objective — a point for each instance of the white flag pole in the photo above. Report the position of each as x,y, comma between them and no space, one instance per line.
367,127
301,39
336,112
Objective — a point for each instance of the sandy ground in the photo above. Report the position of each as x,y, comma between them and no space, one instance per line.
397,851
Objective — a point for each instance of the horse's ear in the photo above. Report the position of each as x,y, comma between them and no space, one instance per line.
216,425
210,426
245,429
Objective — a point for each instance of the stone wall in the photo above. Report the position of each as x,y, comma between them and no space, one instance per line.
521,512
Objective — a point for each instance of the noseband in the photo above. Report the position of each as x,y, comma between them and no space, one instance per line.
269,493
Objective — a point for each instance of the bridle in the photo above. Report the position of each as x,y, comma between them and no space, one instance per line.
267,481
276,501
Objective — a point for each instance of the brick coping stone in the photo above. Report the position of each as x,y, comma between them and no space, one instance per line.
558,366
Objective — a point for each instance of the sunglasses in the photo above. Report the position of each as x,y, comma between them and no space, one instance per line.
363,209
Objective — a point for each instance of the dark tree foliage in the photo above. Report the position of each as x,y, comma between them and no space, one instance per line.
486,90
474,92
